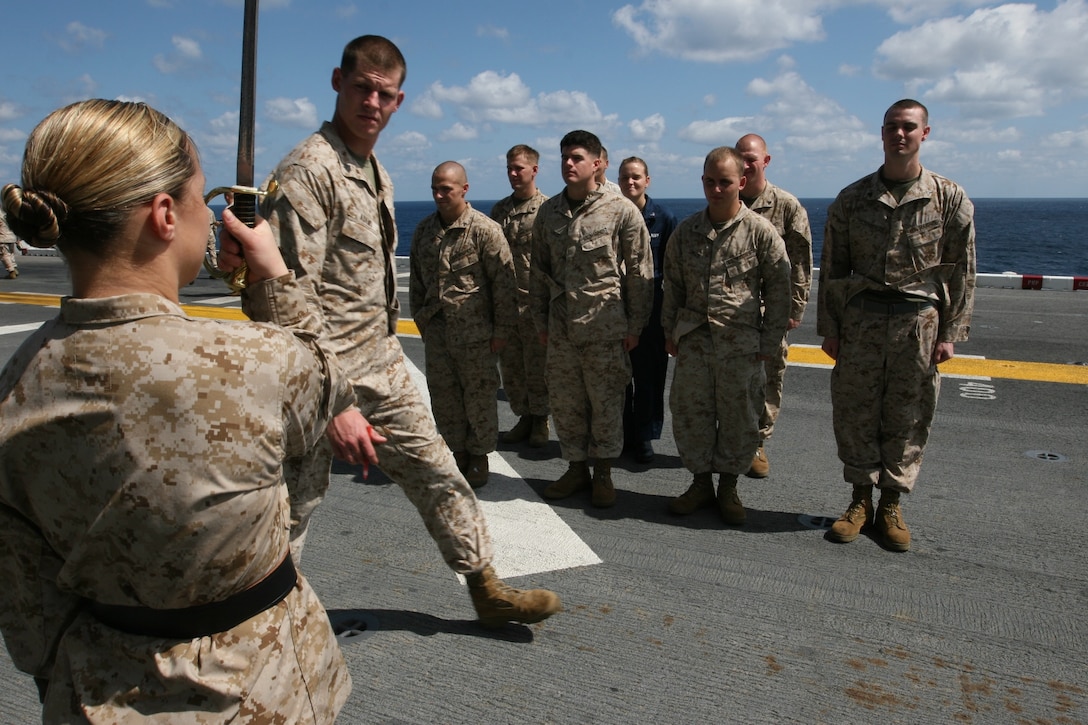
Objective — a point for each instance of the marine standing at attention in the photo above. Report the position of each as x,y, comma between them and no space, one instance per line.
7,250
591,290
897,281
332,212
790,220
644,407
727,301
144,539
461,292
522,360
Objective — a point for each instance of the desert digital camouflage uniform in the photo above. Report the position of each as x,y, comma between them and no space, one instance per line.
337,231
7,246
522,360
590,286
140,465
790,220
884,386
716,277
461,292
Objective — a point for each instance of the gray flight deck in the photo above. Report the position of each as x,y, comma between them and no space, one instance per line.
684,620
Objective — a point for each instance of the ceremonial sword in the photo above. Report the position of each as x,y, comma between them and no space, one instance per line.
242,197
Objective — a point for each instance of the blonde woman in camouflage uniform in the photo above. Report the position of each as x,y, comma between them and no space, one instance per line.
522,360
143,512
720,265
461,291
333,216
897,283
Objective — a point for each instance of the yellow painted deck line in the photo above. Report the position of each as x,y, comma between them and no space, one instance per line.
799,354
973,367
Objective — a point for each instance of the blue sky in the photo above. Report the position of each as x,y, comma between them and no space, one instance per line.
667,80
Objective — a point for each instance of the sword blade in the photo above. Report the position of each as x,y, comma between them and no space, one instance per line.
245,205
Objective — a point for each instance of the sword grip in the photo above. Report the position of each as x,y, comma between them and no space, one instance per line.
245,208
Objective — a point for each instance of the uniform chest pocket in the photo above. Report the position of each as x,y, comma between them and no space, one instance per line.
463,259
740,267
593,240
364,234
926,232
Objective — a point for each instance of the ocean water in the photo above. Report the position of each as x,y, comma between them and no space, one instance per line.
1026,236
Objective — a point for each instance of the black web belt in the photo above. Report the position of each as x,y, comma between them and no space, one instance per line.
204,619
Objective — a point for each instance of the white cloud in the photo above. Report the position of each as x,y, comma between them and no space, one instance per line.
493,97
346,11
427,106
1068,139
1005,61
651,128
9,111
917,10
186,47
723,132
490,31
975,132
458,132
11,135
408,141
719,31
295,112
186,53
79,36
487,90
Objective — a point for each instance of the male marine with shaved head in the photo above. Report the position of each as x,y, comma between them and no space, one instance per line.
790,220
463,299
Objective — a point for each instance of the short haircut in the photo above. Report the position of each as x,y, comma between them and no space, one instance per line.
635,160
522,150
582,139
721,154
907,103
374,51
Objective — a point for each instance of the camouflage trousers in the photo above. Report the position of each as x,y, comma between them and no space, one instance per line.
586,385
7,256
415,457
463,381
522,365
775,371
883,394
715,399
282,665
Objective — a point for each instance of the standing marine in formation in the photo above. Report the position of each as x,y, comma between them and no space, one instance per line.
897,281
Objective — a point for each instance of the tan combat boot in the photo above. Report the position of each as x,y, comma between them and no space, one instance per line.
538,437
520,431
476,472
699,494
497,603
857,516
604,493
732,510
760,465
575,479
889,522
